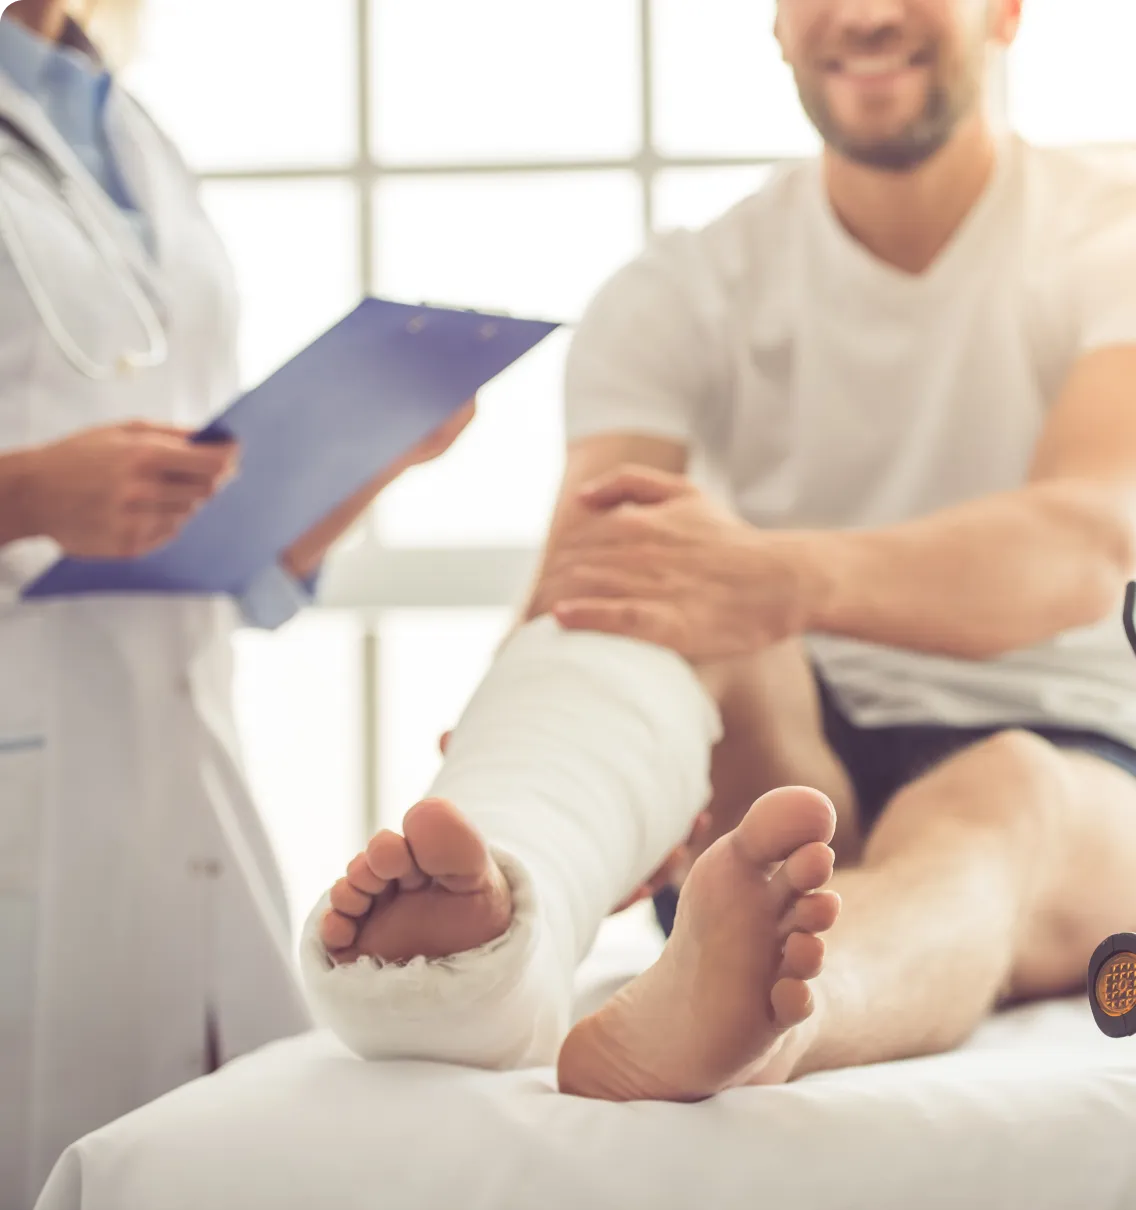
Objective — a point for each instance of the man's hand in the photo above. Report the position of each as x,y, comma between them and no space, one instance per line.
303,558
657,560
122,491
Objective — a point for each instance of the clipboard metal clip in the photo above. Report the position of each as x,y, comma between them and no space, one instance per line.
487,331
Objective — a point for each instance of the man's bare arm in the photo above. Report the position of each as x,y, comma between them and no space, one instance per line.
587,459
985,577
1005,571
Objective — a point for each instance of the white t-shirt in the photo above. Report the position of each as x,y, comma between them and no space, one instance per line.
817,386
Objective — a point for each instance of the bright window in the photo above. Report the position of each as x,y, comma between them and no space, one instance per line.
530,243
446,653
295,250
496,153
720,86
244,85
298,693
691,197
1070,72
450,86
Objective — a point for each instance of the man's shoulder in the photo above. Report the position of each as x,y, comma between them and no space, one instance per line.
748,236
1071,195
768,209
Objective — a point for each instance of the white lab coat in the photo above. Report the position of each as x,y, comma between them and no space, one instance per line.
138,893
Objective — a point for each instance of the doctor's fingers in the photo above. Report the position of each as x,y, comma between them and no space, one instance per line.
439,441
178,461
165,499
150,426
144,534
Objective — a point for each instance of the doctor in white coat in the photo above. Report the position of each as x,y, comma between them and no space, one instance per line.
143,933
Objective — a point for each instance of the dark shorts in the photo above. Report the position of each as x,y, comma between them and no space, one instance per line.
882,760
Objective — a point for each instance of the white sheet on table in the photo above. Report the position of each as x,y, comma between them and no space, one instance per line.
1038,1112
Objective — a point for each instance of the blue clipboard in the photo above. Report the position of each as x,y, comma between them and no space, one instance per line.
324,425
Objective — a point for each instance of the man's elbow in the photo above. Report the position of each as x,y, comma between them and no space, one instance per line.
1111,563
1101,524
1094,587
1104,583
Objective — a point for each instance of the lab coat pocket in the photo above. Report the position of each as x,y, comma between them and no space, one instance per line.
23,771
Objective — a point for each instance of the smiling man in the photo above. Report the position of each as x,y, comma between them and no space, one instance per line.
904,376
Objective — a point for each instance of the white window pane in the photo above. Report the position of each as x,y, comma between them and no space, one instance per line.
693,197
721,87
295,249
535,244
251,83
497,485
298,695
431,661
1070,72
505,79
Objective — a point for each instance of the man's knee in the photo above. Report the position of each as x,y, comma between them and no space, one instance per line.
1015,785
1040,789
1024,758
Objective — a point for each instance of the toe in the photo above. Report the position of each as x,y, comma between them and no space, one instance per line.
446,845
781,822
337,931
792,1002
803,957
362,877
815,913
388,856
808,869
414,879
350,901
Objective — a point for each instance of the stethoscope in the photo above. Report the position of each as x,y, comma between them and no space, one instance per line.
87,218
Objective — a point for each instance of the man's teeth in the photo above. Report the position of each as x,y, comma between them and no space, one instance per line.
875,65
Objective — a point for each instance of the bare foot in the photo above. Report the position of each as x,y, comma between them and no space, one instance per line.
431,892
728,1001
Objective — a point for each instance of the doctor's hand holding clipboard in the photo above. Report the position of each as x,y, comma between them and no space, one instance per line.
122,491
109,493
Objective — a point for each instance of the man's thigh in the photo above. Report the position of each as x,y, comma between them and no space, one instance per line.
774,735
1093,893
1066,819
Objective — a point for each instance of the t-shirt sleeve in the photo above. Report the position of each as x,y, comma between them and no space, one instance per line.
643,356
1102,283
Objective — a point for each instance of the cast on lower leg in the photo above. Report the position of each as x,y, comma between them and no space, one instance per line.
583,760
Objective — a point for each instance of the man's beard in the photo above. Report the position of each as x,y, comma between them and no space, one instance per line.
946,104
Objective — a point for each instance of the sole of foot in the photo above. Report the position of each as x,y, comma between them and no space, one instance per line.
430,892
728,1002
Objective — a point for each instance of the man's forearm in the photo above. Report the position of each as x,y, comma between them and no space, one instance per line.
979,579
15,522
